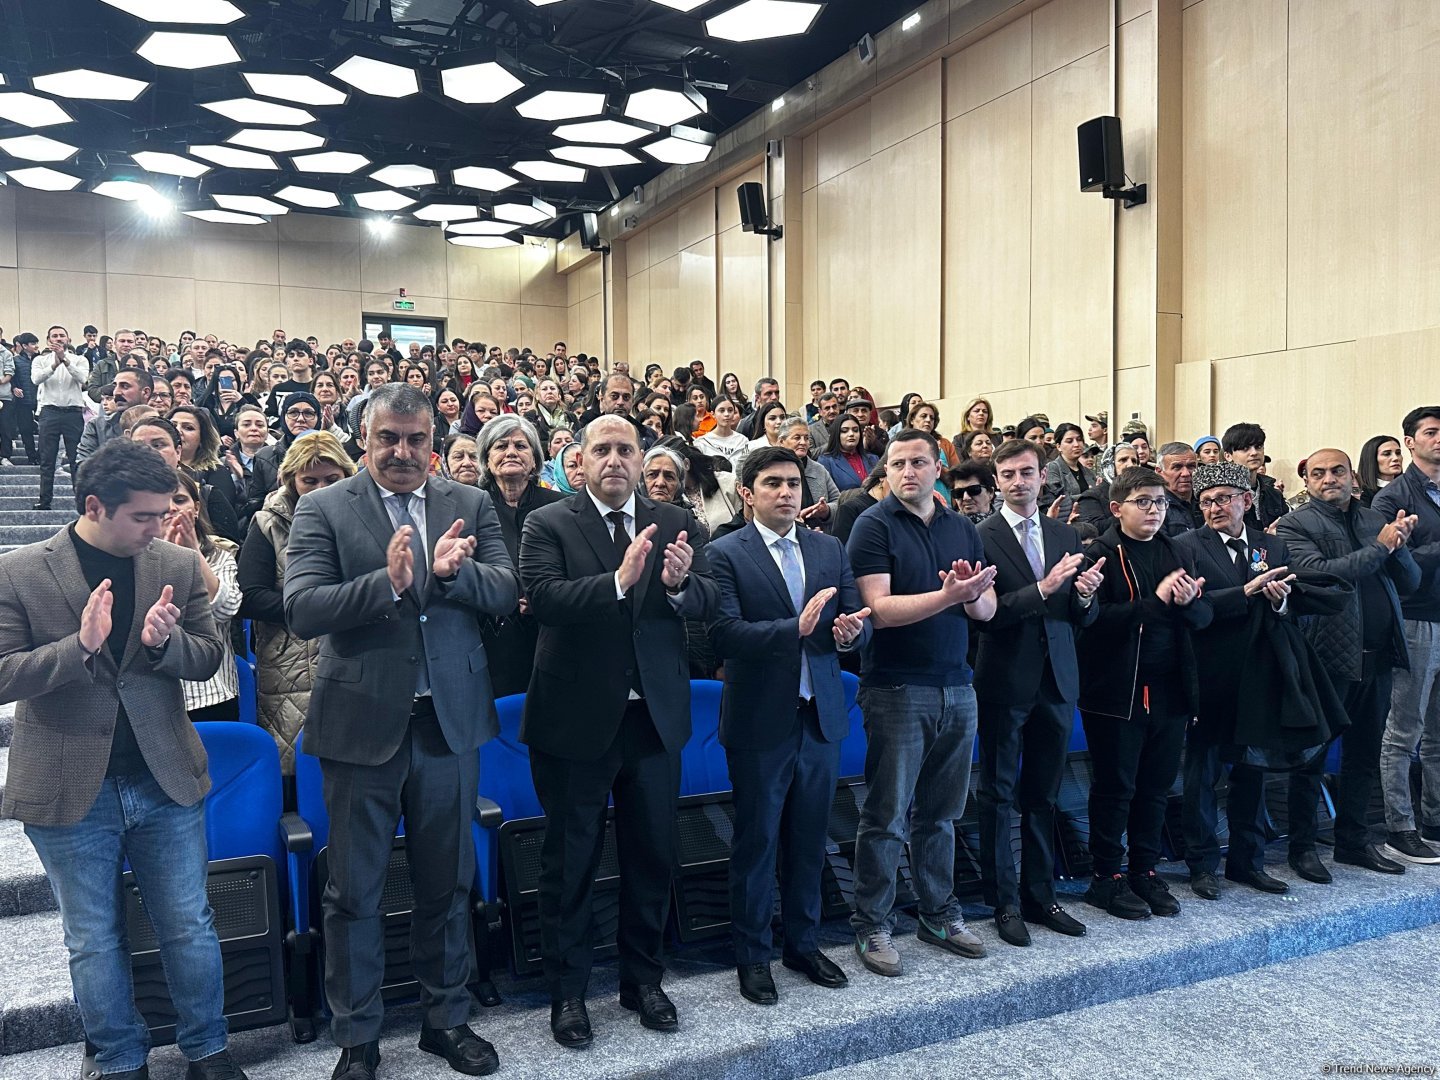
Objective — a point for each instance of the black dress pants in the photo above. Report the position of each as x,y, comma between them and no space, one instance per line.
644,777
57,424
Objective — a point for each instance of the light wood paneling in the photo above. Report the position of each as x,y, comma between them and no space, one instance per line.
1235,175
541,326
987,246
1135,254
329,314
319,252
586,324
741,327
1126,10
810,173
637,252
7,226
489,321
810,286
1193,417
245,312
664,239
1135,392
10,301
1058,401
912,105
540,285
992,67
697,220
71,298
584,283
1066,30
727,203
844,143
408,257
903,272
490,274
244,254
165,306
1071,240
136,243
844,288
59,231
638,308
696,315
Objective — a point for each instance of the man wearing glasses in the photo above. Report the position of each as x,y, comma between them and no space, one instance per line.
1138,688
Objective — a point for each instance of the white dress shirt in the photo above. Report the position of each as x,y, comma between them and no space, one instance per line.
1016,523
416,511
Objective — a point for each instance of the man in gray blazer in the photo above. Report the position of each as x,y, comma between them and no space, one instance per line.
98,625
394,570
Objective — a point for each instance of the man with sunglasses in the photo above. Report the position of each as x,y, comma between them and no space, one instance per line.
1138,688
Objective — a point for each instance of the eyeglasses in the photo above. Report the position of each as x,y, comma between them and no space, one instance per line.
1220,501
972,492
300,414
1145,502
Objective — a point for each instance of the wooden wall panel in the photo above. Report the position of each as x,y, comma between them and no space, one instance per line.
71,298
666,318
727,203
1065,30
245,311
329,314
586,324
992,67
542,326
60,231
741,258
844,143
1234,132
907,108
1071,240
697,220
638,310
320,252
489,321
490,274
844,298
696,313
1135,253
157,247
244,254
164,306
1193,415
407,257
987,246
810,286
10,301
1055,400
7,226
540,285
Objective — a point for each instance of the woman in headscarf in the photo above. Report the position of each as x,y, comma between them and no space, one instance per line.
569,478
1092,507
302,414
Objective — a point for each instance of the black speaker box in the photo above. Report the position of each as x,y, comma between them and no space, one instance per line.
589,231
753,213
1102,154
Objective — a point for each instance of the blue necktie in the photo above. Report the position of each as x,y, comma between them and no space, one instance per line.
417,547
795,582
1032,548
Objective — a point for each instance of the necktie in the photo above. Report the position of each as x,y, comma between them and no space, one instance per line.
795,583
619,535
1237,551
417,547
1032,548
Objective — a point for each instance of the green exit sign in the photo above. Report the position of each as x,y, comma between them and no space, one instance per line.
404,305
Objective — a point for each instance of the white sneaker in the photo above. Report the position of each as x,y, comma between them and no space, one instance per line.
877,952
6,463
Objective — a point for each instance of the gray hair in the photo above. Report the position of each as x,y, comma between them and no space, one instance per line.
681,465
1170,449
503,426
399,399
761,383
789,424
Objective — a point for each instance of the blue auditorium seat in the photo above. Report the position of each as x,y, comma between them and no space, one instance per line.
703,768
852,748
507,792
245,677
1077,735
242,810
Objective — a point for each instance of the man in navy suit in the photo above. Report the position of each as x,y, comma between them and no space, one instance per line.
1026,686
784,597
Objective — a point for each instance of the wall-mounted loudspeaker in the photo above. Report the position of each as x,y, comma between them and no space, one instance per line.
1102,161
590,232
754,214
865,49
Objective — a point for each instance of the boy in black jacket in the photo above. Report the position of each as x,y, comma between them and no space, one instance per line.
1138,690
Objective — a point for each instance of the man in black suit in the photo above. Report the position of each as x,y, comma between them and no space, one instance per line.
1026,685
607,712
1245,568
784,597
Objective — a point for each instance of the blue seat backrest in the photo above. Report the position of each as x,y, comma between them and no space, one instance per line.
703,768
505,764
1077,735
242,810
249,707
852,748
309,794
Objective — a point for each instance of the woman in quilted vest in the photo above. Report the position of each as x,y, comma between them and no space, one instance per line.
284,664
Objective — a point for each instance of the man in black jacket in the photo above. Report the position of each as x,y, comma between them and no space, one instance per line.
1244,444
1335,533
1026,684
1246,569
1176,466
1415,700
1138,689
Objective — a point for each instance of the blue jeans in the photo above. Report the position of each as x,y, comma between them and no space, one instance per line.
1414,722
165,843
920,745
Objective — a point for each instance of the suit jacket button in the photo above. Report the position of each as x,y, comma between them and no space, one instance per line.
637,633
414,660
424,618
120,684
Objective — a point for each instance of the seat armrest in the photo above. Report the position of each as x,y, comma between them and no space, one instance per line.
488,812
295,831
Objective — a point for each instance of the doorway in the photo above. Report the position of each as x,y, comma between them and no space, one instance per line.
403,331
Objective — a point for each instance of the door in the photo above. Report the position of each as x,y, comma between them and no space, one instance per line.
404,330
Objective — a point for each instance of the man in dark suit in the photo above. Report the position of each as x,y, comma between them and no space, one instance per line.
1245,568
394,570
1026,685
788,605
607,712
98,626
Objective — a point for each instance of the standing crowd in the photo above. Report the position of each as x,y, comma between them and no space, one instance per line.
409,535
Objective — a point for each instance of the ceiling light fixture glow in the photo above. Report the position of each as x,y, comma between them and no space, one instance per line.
530,212
563,103
280,142
482,178
911,21
188,52
447,211
381,78
380,227
478,76
226,217
231,157
602,157
126,190
174,164
210,12
683,5
38,148
664,100
317,198
383,199
602,131
482,228
42,179
682,146
484,241
330,161
754,20
305,89
250,204
33,111
92,85
404,175
551,172
244,110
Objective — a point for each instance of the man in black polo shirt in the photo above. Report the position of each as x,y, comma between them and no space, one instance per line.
920,569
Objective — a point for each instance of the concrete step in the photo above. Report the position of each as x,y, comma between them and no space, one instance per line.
56,517
940,998
25,502
24,889
7,722
16,535
30,488
4,768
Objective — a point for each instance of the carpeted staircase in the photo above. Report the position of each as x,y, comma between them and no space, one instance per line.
19,491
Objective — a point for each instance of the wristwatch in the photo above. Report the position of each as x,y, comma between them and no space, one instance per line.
678,588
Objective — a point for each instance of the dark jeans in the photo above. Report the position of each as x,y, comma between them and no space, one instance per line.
57,424
1367,702
1201,810
1022,761
1135,763
645,780
435,789
17,420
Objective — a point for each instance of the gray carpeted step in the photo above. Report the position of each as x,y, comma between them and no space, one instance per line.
31,490
18,535
25,502
61,515
4,768
940,998
24,889
37,1008
7,722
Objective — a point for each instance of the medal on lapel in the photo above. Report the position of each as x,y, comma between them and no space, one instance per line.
1258,565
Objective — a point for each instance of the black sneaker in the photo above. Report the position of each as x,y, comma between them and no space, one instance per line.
1154,893
1430,833
1409,846
1112,893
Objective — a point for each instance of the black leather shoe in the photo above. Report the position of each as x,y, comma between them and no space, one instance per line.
142,1073
358,1062
570,1023
819,969
1058,919
657,1012
1205,885
1258,879
1308,865
1368,858
757,984
46,506
487,995
1013,930
215,1067
466,1052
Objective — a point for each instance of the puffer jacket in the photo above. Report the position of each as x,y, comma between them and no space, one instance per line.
1342,542
284,663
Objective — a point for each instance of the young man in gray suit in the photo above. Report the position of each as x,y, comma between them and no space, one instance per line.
98,625
393,569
